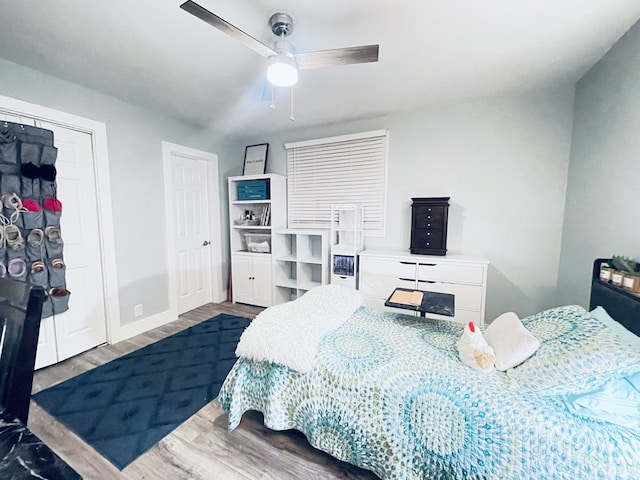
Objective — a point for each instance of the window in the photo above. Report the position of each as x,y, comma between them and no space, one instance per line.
338,170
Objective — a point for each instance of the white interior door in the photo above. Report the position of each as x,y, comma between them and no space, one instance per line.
83,326
191,230
47,353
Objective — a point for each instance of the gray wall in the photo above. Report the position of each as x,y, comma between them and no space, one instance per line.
503,161
603,193
135,161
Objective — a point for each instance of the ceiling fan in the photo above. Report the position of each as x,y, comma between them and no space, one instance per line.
284,61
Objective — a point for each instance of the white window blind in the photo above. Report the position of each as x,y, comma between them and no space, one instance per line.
349,169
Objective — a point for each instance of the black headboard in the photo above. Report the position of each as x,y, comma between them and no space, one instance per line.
623,306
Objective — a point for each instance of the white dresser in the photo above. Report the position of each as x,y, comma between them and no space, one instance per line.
465,276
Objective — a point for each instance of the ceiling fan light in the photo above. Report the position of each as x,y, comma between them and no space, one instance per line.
282,71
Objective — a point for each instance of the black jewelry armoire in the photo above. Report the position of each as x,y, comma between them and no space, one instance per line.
429,225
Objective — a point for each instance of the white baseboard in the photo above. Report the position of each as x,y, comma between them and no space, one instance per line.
144,325
141,326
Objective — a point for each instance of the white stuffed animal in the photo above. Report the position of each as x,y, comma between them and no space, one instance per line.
474,350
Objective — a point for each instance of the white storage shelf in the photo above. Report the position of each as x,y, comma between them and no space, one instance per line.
346,228
275,202
464,276
250,242
347,238
300,262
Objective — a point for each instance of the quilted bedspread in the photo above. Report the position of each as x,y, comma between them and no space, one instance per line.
388,393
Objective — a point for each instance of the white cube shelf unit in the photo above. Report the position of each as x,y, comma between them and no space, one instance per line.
347,239
300,262
257,206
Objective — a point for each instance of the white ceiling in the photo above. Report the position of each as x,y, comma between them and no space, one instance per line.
153,54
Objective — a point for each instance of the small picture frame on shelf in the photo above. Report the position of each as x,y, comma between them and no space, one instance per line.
255,159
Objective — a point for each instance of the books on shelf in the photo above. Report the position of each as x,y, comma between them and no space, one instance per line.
265,217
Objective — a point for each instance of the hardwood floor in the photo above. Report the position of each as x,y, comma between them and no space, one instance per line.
201,448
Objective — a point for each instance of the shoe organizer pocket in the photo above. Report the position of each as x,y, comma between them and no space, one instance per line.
35,245
56,272
38,278
14,216
52,218
9,153
59,301
10,183
30,187
14,241
48,171
30,153
31,220
49,154
47,189
17,269
15,252
53,248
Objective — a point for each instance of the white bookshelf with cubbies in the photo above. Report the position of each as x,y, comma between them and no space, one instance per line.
347,239
257,206
300,262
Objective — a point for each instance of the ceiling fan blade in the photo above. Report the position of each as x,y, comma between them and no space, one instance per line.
338,56
231,30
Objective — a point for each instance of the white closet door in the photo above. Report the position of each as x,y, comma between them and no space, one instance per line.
47,353
83,326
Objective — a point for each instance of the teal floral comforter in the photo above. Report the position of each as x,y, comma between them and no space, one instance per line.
388,393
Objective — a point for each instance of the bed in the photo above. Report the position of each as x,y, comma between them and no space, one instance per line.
388,392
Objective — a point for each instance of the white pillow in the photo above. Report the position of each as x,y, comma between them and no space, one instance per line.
511,341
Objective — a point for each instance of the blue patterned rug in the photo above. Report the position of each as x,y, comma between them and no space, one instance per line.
126,406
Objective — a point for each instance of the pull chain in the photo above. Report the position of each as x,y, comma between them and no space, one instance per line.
273,97
291,117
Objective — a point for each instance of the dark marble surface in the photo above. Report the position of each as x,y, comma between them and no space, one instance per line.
25,456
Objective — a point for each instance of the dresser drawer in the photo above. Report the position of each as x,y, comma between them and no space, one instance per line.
387,266
467,296
428,215
427,237
382,286
439,272
346,281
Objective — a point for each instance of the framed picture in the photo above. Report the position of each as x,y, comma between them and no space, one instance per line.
255,159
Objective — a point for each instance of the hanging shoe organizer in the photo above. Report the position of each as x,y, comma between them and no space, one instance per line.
30,239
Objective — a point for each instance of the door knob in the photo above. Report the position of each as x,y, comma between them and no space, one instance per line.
205,243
